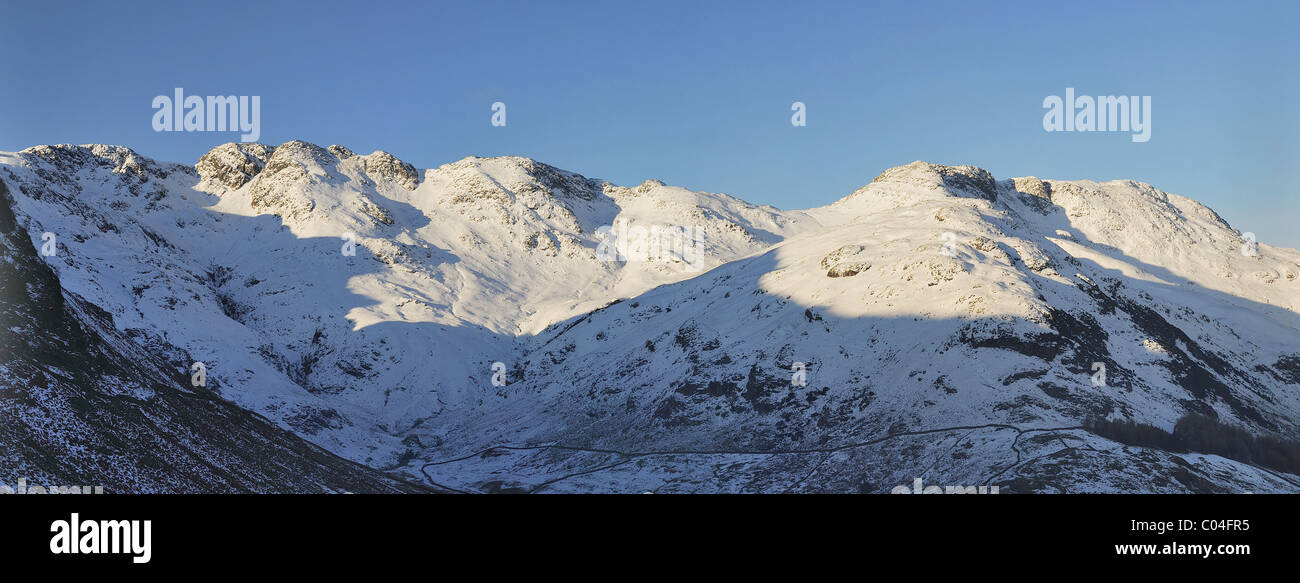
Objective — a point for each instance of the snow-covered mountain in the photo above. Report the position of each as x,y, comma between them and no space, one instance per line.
935,324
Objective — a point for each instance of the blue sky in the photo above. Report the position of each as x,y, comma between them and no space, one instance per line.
695,93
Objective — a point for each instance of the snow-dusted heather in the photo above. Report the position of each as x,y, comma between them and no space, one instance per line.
948,322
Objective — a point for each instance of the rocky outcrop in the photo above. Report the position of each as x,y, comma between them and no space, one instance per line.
234,165
384,166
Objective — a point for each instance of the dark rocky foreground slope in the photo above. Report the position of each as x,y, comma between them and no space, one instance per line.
82,405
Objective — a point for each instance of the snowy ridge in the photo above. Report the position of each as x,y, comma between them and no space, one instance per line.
948,322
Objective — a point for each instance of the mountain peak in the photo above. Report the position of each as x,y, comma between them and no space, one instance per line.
382,165
302,152
234,164
71,157
962,179
519,176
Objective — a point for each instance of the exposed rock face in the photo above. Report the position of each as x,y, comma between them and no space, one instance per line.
1033,186
234,164
959,180
56,161
841,262
303,153
648,185
970,179
384,166
1034,193
376,212
266,191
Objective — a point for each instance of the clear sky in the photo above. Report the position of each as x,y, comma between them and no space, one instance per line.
697,93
